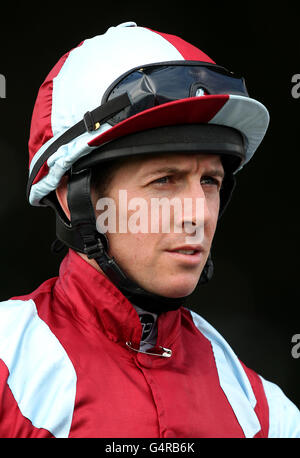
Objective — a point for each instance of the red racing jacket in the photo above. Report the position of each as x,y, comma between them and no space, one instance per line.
68,368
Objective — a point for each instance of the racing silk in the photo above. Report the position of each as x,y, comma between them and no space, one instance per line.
69,367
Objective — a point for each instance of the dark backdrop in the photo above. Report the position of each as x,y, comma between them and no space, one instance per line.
253,299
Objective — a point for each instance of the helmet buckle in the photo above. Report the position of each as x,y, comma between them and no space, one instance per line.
89,122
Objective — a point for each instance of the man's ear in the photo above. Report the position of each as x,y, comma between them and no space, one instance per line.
61,194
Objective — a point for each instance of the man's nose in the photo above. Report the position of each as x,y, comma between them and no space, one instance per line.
195,213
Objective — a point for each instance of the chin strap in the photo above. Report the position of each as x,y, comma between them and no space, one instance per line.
81,235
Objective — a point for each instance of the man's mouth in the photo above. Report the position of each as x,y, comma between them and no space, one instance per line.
191,254
185,251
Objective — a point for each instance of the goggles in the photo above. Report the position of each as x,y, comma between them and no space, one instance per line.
154,85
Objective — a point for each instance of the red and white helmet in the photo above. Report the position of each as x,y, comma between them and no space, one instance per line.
80,81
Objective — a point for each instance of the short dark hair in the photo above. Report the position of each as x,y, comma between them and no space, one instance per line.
102,175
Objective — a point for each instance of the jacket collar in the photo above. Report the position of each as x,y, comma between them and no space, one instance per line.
93,299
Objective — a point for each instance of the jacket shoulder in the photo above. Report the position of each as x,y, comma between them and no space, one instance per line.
44,288
17,312
36,363
277,415
284,417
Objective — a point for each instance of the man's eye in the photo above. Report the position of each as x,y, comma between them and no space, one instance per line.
162,180
210,180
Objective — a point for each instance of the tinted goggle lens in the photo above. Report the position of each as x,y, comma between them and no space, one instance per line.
155,85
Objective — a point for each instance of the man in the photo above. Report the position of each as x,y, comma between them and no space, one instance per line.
138,183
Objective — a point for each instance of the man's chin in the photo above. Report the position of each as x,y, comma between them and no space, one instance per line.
176,290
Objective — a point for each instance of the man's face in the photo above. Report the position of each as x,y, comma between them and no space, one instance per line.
151,257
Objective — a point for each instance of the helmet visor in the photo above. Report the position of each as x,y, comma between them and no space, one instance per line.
154,85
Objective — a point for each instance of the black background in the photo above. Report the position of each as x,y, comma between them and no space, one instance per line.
253,299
